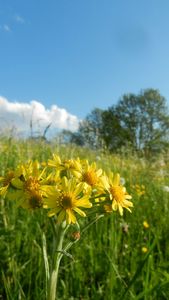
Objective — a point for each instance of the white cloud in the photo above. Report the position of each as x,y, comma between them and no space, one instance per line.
19,19
6,27
20,115
16,18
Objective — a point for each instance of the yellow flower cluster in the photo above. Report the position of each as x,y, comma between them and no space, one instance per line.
65,188
139,189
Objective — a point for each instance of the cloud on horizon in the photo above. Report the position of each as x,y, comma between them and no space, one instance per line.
20,115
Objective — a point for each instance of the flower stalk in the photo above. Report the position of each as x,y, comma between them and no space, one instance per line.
58,238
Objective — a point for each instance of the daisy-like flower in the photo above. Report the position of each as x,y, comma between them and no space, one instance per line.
90,174
55,162
66,167
32,200
117,194
28,186
92,177
6,181
65,200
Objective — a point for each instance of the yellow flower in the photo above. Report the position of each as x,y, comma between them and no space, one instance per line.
6,181
30,177
90,174
108,208
55,162
146,225
28,186
139,189
144,249
66,167
92,177
65,199
117,193
29,199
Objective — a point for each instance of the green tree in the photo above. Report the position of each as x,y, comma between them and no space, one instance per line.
69,137
141,120
90,129
114,134
154,120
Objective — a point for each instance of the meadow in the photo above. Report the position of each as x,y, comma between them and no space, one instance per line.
116,258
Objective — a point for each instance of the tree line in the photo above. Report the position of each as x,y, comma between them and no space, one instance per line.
140,121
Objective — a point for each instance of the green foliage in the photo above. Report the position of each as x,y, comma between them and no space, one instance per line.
114,134
139,121
108,261
91,129
146,119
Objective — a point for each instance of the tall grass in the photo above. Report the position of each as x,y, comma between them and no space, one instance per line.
109,261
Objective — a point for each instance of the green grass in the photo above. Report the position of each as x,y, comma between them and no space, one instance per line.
108,262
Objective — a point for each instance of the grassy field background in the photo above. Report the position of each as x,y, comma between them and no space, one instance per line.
117,258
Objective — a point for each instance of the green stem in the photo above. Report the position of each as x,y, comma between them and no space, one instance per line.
59,231
57,256
92,222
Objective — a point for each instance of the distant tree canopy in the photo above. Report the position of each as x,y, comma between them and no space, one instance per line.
141,121
91,129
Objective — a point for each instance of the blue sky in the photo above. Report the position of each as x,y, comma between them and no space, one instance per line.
82,54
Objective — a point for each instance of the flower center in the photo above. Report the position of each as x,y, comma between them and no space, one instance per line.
117,193
35,201
32,184
66,201
90,177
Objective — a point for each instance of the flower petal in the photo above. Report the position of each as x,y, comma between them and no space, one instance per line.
79,211
70,217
